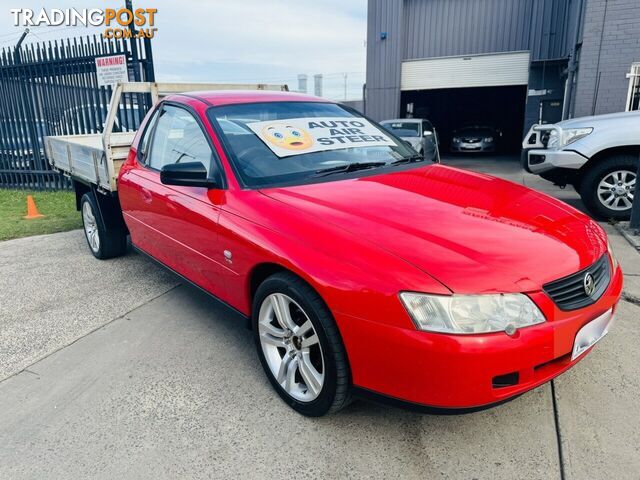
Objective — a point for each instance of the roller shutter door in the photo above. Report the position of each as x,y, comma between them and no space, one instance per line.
490,70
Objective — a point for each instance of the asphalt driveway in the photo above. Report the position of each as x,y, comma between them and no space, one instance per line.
113,369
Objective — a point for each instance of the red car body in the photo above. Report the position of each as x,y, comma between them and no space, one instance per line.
359,242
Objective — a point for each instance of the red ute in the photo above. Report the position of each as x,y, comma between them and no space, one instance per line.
364,267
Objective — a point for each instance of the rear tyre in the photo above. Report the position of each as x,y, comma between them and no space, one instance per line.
608,187
103,243
299,346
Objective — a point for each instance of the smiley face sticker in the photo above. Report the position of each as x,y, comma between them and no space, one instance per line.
299,136
287,137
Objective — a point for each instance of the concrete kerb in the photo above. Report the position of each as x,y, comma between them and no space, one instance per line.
632,236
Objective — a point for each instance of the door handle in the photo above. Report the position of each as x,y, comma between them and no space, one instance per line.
146,195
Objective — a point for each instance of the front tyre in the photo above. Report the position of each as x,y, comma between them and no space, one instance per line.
299,346
608,187
103,242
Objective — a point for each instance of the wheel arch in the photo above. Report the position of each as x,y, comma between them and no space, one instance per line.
606,153
263,270
260,272
80,189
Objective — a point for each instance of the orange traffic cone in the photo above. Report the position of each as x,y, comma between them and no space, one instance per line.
32,210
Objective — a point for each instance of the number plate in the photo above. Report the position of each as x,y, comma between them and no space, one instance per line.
591,333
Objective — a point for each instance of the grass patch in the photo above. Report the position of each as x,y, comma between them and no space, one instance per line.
59,209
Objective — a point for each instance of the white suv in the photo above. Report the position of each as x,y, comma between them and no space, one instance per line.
597,155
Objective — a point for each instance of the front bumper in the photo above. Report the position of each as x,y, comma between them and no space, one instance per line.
460,371
473,147
543,160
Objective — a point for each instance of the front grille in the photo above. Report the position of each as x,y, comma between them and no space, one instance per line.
569,292
471,140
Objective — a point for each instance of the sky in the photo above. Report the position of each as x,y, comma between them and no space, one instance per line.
241,41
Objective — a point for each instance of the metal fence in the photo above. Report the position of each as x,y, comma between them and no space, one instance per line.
51,88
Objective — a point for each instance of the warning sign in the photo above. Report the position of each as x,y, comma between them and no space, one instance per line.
111,70
316,134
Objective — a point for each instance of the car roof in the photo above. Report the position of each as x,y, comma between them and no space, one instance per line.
230,97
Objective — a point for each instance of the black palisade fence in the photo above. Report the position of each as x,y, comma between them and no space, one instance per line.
51,88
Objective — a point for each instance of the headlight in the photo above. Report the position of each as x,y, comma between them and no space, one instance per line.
488,139
573,134
466,314
614,260
561,138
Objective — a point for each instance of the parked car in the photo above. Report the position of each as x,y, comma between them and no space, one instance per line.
418,132
17,144
475,139
364,269
597,155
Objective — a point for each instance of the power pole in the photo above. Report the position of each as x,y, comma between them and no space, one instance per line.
634,224
364,98
345,87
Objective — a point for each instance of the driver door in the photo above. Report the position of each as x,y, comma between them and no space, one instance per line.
177,225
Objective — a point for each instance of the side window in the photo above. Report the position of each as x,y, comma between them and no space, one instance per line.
178,138
426,127
143,147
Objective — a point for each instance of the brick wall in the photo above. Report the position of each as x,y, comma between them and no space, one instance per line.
611,43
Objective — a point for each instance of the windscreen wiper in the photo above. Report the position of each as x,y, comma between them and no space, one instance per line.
412,159
350,167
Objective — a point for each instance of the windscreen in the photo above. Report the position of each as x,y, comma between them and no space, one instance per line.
403,129
278,143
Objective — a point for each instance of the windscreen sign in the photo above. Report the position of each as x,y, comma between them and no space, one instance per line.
317,134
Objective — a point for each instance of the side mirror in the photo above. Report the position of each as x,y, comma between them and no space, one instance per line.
427,133
188,174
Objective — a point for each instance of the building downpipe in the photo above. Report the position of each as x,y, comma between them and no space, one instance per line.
572,67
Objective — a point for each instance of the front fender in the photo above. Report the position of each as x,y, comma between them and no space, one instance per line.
352,275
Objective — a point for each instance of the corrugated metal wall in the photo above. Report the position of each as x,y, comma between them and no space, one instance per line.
438,28
441,28
384,57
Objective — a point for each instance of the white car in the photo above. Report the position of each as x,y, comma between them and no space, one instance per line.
597,155
418,132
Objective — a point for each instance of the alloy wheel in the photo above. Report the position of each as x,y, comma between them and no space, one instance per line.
90,227
616,190
291,347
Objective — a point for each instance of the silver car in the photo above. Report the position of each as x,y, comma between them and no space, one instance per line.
597,155
418,132
475,139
